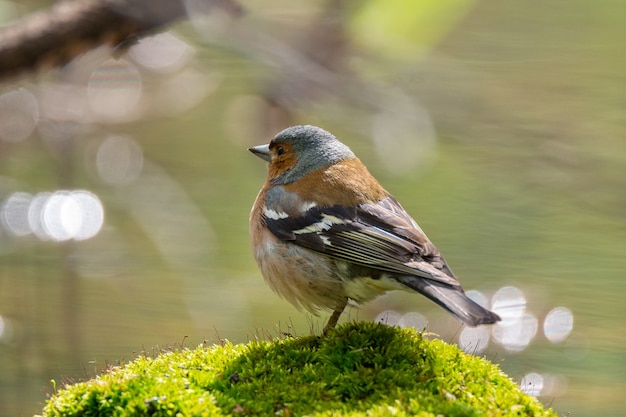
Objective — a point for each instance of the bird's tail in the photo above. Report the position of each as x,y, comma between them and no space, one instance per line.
452,299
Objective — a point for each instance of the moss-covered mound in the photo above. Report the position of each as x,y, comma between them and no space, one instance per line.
361,369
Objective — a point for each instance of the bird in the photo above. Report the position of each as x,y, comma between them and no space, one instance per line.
324,233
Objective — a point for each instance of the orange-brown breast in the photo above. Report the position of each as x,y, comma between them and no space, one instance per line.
303,277
256,224
346,183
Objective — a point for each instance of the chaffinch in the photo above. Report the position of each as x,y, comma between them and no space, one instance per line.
324,231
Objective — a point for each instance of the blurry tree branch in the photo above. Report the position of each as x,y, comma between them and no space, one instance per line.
53,37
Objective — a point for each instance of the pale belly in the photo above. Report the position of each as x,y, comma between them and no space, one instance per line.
313,281
302,277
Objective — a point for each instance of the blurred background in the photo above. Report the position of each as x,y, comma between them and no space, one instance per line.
125,184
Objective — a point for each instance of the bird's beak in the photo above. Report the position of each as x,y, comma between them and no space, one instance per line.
262,151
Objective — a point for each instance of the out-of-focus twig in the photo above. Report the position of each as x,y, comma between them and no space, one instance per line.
71,27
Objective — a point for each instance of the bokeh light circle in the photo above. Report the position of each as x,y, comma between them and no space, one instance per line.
516,336
414,320
114,91
119,160
19,115
65,215
532,384
61,216
510,304
474,340
6,330
92,214
558,324
35,215
388,317
15,213
163,52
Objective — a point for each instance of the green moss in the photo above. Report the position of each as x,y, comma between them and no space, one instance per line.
361,369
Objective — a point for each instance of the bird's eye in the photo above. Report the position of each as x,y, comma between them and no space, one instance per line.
280,150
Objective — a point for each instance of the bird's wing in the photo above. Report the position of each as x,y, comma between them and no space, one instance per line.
381,236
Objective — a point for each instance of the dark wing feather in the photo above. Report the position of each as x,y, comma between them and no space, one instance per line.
380,236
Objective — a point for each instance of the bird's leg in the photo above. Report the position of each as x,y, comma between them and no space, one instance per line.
334,318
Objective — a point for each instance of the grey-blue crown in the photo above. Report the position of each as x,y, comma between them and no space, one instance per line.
316,148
